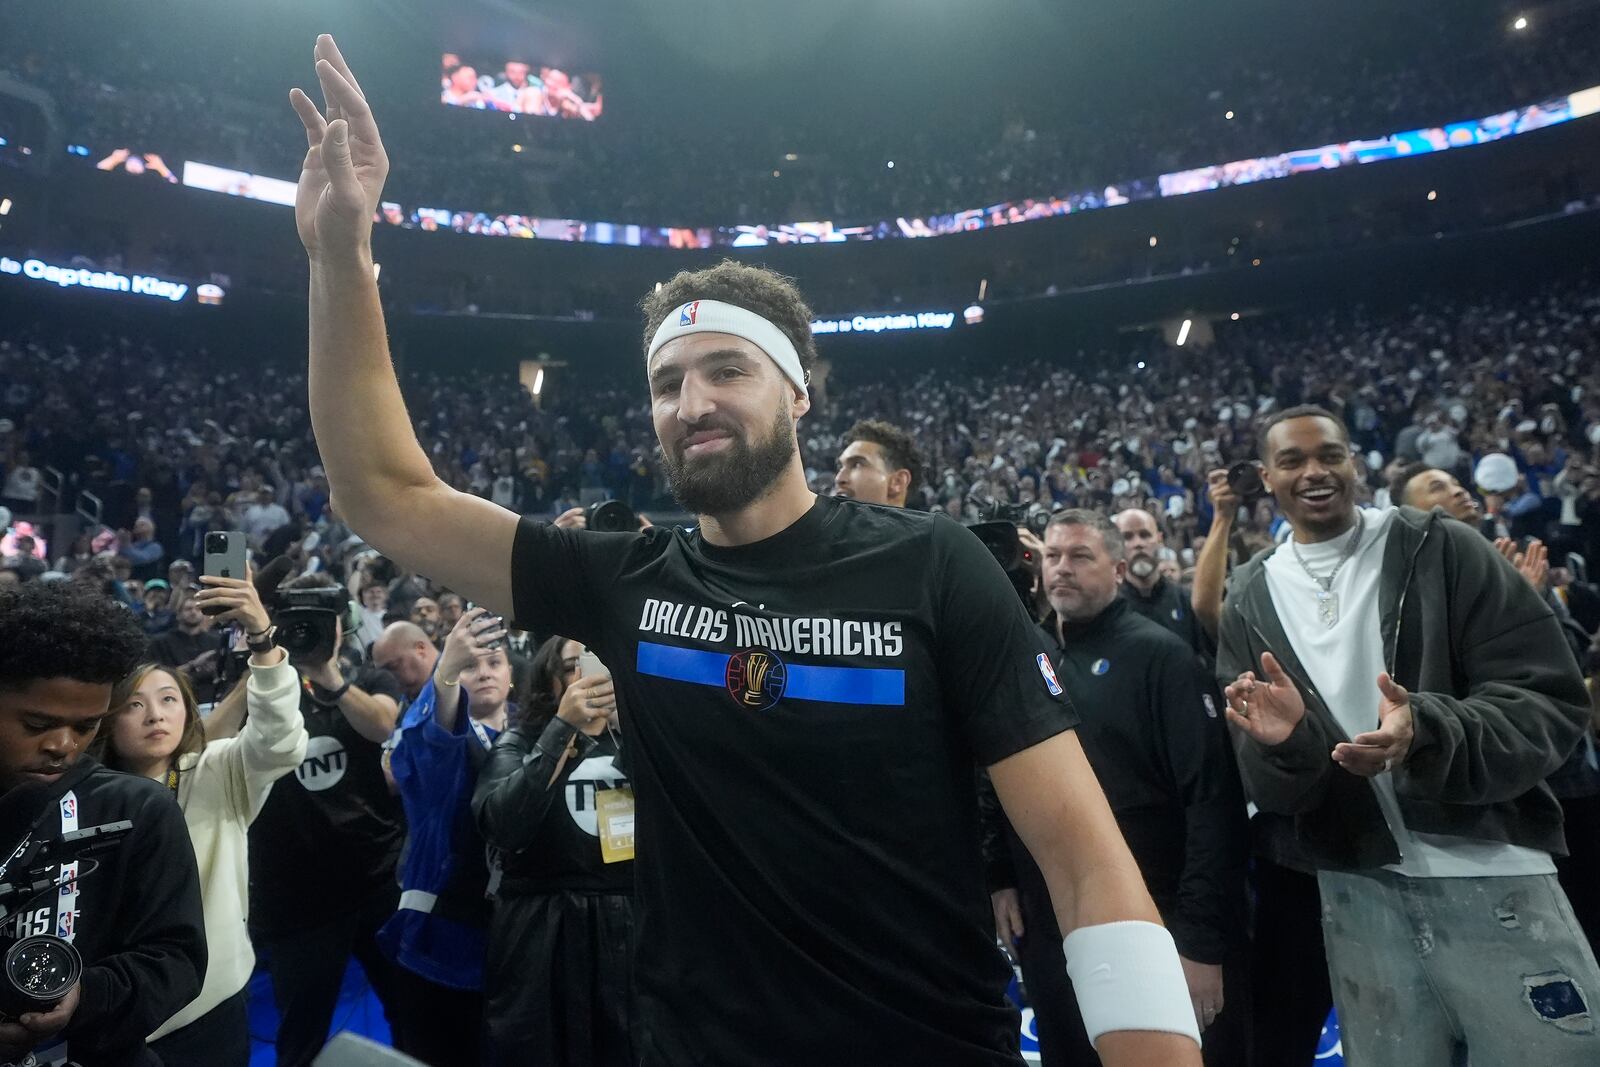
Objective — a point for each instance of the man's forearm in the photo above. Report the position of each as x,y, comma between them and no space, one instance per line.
372,458
1211,574
371,717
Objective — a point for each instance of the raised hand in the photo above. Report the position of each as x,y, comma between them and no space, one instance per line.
345,166
1267,711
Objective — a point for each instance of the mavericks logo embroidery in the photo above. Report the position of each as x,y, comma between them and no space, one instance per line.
688,313
1099,667
756,678
1049,673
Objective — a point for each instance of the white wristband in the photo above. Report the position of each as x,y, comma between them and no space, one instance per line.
1127,977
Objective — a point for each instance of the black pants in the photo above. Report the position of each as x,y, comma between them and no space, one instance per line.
1063,1039
307,968
1289,966
559,980
1579,871
439,1025
219,1038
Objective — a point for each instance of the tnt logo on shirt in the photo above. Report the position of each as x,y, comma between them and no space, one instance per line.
590,776
324,765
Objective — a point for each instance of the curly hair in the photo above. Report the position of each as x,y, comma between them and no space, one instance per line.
63,630
899,448
766,292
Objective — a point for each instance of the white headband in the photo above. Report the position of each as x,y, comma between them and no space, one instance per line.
714,316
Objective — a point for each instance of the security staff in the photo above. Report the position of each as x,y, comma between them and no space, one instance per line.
1154,737
1153,596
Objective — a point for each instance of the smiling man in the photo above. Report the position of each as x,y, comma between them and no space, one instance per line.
135,917
807,682
1397,688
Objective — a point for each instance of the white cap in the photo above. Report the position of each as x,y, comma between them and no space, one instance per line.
1496,473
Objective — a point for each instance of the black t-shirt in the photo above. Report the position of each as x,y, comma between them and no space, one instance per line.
803,715
331,832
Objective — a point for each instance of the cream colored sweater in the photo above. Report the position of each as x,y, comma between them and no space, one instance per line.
221,790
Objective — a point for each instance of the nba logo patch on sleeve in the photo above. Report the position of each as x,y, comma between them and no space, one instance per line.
1049,673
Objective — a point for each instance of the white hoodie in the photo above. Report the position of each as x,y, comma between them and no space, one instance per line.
221,790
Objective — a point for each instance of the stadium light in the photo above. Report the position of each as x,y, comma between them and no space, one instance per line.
1234,316
1141,364
776,173
1521,23
376,269
516,148
890,164
1255,263
1228,115
790,157
1183,333
5,206
1153,241
1433,194
538,382
983,289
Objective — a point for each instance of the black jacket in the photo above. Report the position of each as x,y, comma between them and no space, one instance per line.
542,847
1152,732
139,925
1497,702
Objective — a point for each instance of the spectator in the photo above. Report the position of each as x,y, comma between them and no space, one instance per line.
23,483
263,517
439,934
1412,760
153,609
560,895
156,733
142,551
193,648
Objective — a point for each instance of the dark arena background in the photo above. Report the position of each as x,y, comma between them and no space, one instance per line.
1082,253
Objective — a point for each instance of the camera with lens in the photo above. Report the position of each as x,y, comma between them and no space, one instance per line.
1244,478
38,968
612,516
307,621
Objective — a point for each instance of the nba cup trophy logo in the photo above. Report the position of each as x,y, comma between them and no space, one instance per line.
756,678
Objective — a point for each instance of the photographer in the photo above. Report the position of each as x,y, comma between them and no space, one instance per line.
156,732
324,848
439,934
132,913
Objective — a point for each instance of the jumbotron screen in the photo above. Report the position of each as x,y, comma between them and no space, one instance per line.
519,87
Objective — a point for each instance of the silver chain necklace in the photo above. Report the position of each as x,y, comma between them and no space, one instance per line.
1327,599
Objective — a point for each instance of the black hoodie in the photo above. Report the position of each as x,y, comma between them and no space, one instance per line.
138,922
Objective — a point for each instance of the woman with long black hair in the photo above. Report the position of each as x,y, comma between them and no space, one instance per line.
556,803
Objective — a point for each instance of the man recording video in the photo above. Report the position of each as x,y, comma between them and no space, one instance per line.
809,681
324,848
132,912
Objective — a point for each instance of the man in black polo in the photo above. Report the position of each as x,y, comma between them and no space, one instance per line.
1153,733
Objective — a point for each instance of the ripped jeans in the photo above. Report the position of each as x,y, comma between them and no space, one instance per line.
1430,972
